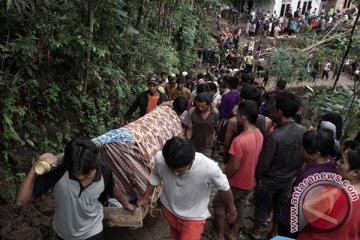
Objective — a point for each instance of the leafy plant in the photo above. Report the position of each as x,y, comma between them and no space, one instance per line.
323,101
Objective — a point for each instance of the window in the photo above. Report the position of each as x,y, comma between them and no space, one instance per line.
349,3
306,6
284,8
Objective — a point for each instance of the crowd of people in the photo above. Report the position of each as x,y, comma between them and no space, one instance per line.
245,48
267,151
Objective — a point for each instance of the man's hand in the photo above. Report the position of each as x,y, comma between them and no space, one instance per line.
143,202
130,207
49,158
231,216
122,122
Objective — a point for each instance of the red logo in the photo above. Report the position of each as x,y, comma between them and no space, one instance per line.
326,206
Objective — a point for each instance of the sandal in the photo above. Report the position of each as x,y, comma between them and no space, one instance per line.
250,233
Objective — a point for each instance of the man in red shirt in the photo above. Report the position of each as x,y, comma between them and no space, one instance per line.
240,169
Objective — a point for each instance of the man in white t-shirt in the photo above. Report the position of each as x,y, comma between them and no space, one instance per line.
187,177
326,70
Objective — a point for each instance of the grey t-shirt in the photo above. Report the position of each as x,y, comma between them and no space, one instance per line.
79,212
187,196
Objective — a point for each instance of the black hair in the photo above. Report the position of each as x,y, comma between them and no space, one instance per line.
210,78
171,79
180,79
81,155
204,97
281,84
227,78
321,141
188,76
251,92
180,104
213,86
247,78
233,82
357,138
200,76
353,154
336,119
249,109
202,88
163,73
288,103
178,152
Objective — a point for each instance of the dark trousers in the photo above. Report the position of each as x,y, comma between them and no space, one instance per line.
325,74
270,194
99,236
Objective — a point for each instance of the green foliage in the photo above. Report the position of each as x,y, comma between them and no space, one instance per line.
323,101
288,64
70,68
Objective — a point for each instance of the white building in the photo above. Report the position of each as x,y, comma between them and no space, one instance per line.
282,6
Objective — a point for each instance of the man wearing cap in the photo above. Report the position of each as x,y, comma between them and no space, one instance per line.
147,100
180,90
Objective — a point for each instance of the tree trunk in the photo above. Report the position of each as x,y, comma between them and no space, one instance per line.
346,52
90,24
140,14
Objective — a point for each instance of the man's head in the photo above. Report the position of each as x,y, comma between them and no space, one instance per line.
202,88
222,73
247,110
179,153
203,101
287,103
180,104
251,92
180,81
153,84
172,81
163,76
213,88
233,82
280,85
81,157
317,144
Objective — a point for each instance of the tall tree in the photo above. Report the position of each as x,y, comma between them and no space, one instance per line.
357,2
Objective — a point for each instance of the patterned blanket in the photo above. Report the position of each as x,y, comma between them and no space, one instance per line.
153,130
132,161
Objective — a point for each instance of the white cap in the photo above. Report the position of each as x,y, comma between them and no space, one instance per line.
184,73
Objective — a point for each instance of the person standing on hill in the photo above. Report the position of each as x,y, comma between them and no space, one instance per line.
201,123
326,70
279,161
249,61
180,89
147,100
240,169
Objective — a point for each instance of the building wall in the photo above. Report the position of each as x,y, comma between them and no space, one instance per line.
277,5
